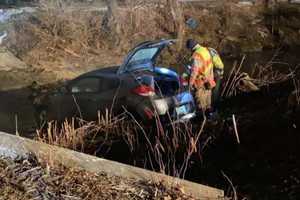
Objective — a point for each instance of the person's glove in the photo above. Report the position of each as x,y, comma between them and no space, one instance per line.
218,73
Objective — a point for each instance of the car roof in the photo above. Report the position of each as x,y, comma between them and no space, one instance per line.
107,71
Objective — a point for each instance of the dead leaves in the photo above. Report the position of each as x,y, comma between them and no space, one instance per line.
29,180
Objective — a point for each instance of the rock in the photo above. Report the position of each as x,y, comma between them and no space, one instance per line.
14,73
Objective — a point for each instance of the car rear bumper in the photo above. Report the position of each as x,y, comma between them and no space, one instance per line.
180,107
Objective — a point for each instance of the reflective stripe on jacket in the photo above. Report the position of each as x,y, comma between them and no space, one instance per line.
202,67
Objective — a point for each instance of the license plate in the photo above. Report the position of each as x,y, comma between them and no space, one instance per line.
181,110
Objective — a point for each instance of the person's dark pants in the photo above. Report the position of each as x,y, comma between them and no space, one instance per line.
216,96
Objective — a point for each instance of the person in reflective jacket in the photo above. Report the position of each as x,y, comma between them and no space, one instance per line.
207,71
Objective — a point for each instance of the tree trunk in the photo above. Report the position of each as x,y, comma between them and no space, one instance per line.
178,18
112,24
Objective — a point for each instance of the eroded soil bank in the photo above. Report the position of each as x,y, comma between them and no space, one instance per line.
79,37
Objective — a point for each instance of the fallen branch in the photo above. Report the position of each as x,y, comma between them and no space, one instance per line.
69,51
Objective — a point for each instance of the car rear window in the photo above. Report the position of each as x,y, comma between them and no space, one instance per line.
144,54
86,85
142,58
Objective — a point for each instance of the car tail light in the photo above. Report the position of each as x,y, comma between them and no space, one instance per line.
144,90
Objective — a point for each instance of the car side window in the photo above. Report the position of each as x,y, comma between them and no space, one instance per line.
86,85
108,84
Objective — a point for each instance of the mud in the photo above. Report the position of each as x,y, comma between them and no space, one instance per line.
265,164
17,112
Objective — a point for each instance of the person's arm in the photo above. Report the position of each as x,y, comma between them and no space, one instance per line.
218,66
218,63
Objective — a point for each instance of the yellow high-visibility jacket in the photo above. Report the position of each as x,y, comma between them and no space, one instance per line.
204,60
217,62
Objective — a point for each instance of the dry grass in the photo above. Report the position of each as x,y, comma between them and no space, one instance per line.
64,38
137,21
169,148
78,135
163,148
272,72
262,75
231,84
64,28
61,33
61,27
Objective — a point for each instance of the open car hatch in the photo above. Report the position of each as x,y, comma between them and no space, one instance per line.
144,56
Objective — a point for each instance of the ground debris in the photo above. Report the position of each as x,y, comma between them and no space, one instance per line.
25,179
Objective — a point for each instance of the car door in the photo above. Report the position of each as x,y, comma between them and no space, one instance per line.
83,91
110,94
93,94
62,105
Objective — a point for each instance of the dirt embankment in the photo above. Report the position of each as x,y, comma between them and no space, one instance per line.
62,40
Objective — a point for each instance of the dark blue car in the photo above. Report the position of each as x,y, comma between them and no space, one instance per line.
137,86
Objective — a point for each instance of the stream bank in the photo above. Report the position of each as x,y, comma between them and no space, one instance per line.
233,28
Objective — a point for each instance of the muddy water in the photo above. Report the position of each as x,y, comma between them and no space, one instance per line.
16,112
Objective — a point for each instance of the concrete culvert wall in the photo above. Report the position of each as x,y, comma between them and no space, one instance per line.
14,146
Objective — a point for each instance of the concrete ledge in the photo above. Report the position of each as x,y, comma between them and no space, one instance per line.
13,146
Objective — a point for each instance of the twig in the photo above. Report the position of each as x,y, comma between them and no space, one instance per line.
231,184
69,51
140,126
235,130
77,106
235,77
228,79
206,143
187,159
16,120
